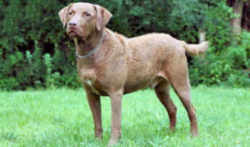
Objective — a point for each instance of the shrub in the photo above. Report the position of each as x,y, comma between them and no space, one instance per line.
230,66
35,52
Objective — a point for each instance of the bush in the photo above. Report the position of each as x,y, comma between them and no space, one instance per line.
8,83
35,52
230,66
33,56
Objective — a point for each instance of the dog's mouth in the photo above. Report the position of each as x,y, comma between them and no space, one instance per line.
72,31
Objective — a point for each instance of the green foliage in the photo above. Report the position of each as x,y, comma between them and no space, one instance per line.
8,83
35,52
229,66
29,50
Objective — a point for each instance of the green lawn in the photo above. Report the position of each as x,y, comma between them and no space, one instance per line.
61,118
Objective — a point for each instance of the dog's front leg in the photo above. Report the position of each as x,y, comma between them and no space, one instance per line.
116,104
95,107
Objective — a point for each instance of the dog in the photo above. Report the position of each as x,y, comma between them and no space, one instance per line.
110,64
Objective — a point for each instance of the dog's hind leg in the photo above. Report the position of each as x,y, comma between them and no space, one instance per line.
177,73
162,92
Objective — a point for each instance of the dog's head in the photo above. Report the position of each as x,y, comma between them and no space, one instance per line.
82,19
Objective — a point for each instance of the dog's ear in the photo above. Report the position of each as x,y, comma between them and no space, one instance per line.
102,17
63,14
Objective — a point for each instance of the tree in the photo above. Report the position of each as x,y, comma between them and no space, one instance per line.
240,8
246,16
236,22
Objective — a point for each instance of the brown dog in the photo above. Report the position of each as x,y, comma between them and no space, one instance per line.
110,64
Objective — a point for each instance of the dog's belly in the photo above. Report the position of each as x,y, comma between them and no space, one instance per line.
138,83
143,71
134,83
131,87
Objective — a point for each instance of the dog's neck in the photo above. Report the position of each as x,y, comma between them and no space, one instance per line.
85,47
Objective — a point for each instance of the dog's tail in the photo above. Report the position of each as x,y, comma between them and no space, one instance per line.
196,49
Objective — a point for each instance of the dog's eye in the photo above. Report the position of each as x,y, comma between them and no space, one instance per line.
86,14
71,13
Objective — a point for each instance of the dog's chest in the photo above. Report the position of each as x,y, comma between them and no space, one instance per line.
92,86
87,74
89,78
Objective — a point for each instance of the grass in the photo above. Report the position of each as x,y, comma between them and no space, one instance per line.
61,118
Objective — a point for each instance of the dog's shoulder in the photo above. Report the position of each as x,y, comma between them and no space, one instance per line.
117,36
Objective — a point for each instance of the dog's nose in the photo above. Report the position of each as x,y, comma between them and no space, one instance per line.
72,24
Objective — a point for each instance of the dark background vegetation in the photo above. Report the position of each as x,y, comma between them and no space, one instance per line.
36,53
